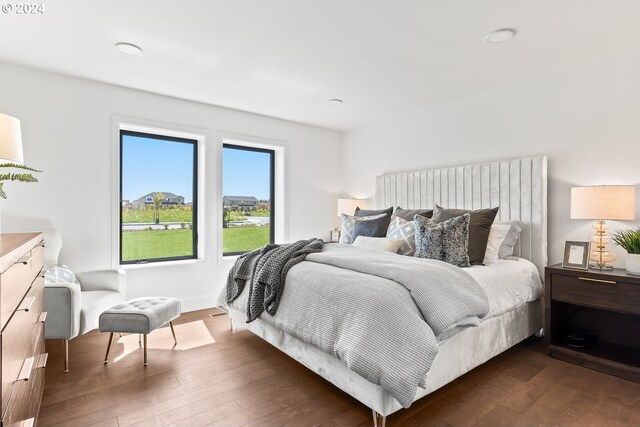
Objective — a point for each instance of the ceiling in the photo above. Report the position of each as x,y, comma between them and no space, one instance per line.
286,58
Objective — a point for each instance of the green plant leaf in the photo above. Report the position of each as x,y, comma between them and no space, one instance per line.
629,240
22,177
18,166
12,176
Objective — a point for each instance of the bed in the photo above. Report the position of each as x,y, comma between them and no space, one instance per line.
513,287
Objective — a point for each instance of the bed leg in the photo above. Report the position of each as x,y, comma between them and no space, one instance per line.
231,323
378,420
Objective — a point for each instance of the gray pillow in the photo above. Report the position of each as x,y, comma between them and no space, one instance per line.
479,228
510,240
445,241
380,229
408,214
401,229
370,212
349,222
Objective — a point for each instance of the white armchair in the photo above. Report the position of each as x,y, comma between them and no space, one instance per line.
74,302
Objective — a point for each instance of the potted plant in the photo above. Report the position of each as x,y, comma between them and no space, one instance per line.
630,241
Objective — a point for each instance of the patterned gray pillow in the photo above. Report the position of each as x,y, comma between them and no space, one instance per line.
349,224
446,241
401,229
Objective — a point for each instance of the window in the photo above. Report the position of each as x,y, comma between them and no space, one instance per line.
158,198
248,198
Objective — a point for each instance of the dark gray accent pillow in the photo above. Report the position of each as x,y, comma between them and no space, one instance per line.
479,228
445,241
349,225
381,229
371,212
376,227
408,214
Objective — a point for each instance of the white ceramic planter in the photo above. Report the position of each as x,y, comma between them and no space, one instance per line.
633,263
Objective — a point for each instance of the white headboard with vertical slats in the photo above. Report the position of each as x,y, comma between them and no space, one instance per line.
519,187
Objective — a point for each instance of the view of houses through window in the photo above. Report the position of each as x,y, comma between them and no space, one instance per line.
157,194
247,186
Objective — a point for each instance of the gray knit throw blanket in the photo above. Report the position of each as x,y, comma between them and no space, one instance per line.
266,270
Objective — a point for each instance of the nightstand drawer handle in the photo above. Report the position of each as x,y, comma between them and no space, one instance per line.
611,282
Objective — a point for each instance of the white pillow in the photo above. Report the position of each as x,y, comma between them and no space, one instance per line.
378,243
60,274
497,234
506,248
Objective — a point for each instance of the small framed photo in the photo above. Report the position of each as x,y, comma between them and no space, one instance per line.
335,236
576,255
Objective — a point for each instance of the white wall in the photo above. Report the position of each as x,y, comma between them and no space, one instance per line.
585,119
67,132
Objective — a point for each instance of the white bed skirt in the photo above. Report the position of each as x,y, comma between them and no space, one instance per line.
457,355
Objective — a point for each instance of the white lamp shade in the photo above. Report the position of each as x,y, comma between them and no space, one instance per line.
10,140
614,202
348,206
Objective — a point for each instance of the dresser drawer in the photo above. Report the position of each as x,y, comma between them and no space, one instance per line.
37,260
26,396
597,293
22,338
16,280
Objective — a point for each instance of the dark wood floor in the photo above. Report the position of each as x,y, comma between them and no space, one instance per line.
223,378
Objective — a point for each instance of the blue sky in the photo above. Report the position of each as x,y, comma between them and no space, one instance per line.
245,173
150,165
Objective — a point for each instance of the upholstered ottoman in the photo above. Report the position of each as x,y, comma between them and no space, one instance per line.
139,316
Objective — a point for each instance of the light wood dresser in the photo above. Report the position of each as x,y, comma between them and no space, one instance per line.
22,323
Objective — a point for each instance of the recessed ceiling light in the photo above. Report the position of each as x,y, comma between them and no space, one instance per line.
129,49
334,102
501,35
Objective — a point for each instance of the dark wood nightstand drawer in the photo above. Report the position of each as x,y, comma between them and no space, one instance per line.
598,293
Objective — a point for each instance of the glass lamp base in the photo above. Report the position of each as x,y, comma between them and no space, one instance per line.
600,267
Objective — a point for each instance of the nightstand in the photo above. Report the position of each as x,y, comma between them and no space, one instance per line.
586,302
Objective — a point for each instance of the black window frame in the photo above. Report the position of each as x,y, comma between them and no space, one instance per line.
194,205
272,163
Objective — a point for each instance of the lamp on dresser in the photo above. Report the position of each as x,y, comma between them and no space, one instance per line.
601,203
345,206
10,140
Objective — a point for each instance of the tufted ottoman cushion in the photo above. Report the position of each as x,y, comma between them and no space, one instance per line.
140,316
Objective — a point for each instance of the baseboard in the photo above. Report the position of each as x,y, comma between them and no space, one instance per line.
197,303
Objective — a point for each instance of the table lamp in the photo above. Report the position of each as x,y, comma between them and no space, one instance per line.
348,206
10,140
603,202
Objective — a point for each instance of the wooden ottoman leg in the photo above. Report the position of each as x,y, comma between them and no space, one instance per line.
175,340
66,356
106,356
144,338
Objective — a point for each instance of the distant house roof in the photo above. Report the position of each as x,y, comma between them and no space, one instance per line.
239,199
164,194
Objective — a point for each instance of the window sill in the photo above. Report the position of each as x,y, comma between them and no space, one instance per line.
161,264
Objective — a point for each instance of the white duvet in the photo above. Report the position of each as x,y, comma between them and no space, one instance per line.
507,283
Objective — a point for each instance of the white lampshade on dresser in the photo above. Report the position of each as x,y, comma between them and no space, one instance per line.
10,140
348,206
601,203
